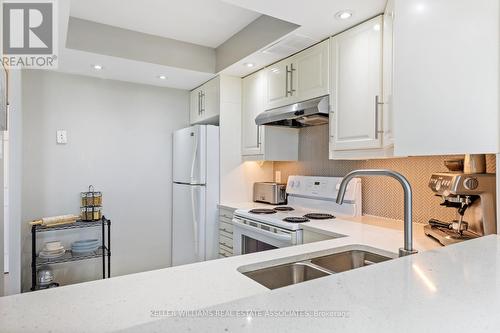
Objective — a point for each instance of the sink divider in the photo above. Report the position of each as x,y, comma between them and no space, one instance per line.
319,268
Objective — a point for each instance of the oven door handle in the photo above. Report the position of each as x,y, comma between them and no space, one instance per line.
261,231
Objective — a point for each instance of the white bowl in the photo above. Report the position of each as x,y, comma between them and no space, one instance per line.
51,255
53,246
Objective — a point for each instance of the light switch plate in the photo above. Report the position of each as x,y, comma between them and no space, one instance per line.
62,137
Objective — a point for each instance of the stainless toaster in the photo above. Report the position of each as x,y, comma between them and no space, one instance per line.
269,192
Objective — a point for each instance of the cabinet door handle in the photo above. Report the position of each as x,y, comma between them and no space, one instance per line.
258,136
377,103
202,101
291,79
199,103
286,81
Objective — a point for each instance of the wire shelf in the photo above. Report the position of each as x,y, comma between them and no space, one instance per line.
104,251
75,225
70,256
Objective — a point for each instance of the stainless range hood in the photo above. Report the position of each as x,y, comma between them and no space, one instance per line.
308,113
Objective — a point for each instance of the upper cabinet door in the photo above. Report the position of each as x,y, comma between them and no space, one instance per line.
205,103
195,105
210,99
357,87
298,78
254,89
278,84
388,70
446,77
310,74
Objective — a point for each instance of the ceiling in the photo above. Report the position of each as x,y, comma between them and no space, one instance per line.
316,17
203,22
208,23
79,62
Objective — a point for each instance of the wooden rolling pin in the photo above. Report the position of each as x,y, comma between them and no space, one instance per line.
56,220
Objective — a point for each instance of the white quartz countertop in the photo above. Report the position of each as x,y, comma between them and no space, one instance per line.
366,228
452,289
134,300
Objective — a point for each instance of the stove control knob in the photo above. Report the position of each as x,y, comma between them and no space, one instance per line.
471,183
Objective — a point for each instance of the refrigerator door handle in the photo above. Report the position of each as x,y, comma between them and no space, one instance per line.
195,153
195,224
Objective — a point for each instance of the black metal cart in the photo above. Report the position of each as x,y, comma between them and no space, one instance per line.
103,252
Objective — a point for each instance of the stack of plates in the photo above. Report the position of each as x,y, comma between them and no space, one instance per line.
85,246
52,250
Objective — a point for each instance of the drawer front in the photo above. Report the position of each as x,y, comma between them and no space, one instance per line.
225,227
225,252
228,214
225,234
226,241
225,219
225,249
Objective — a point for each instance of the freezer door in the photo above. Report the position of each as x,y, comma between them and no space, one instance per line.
189,155
188,224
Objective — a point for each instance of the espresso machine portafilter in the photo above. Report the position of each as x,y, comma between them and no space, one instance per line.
474,194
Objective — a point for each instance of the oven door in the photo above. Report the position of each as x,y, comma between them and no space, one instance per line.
251,236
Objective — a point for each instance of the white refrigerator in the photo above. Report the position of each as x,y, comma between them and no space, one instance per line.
195,194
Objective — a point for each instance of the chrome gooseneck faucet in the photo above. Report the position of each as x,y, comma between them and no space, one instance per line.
408,234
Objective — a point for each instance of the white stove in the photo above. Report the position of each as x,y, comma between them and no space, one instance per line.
309,198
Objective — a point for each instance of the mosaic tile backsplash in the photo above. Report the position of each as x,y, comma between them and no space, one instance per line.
381,196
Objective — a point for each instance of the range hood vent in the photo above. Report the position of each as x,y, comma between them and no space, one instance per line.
308,113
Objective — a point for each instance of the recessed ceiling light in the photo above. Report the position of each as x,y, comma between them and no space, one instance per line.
420,7
162,77
344,14
97,67
249,64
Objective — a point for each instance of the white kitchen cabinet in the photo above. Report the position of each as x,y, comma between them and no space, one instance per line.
210,99
278,84
194,105
253,102
300,77
225,232
205,103
446,76
263,142
310,76
357,88
387,74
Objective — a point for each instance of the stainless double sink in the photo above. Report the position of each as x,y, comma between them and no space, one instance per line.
296,272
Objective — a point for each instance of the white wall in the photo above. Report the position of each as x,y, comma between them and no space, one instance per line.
14,172
120,140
